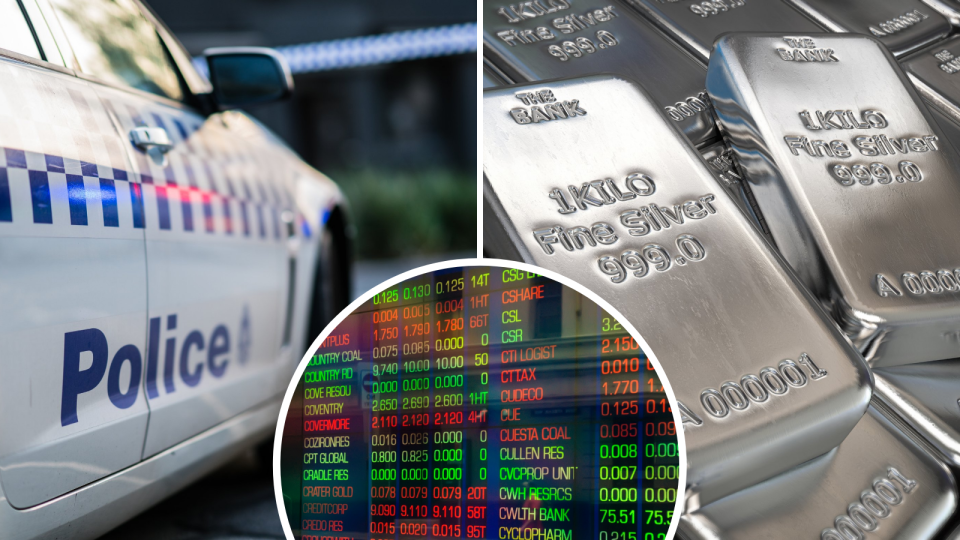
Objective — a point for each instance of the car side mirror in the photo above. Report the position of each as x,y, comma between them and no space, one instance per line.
247,75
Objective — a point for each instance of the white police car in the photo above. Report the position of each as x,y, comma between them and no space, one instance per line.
162,261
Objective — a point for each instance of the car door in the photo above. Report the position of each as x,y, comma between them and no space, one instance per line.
215,246
73,275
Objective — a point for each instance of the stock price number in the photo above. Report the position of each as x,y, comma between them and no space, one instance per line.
623,535
611,325
618,516
625,343
658,517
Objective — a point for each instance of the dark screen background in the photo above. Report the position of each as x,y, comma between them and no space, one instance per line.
479,402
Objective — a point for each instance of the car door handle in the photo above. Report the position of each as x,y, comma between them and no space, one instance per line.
151,138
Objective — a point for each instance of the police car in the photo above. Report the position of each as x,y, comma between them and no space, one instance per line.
163,259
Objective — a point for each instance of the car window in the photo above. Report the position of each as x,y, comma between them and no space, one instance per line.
15,34
114,42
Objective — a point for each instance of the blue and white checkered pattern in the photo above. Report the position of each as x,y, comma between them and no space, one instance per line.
45,189
207,186
65,189
378,49
67,168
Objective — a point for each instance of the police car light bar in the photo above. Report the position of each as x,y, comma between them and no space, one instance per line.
377,49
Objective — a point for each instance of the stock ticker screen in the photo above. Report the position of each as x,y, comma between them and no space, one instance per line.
479,402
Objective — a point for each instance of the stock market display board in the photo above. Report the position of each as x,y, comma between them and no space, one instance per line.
479,402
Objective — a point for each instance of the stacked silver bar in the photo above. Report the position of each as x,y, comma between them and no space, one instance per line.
550,39
696,26
879,483
902,26
852,178
492,76
833,157
635,215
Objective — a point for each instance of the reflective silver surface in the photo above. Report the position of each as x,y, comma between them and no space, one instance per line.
950,128
902,25
724,167
948,8
875,246
935,71
583,37
697,24
719,308
493,76
925,396
879,484
498,242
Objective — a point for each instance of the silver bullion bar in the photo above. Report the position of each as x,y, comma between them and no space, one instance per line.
855,180
590,179
902,25
951,129
948,8
935,71
497,239
879,484
492,76
551,39
697,24
721,162
925,396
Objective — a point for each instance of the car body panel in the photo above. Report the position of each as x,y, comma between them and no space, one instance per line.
216,260
71,260
102,244
98,507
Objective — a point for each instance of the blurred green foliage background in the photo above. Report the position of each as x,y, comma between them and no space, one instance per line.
405,213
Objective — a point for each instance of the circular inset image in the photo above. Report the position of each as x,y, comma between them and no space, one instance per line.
463,400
